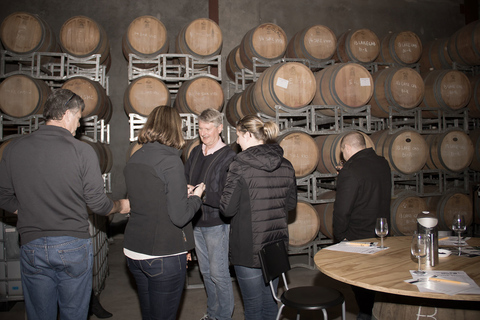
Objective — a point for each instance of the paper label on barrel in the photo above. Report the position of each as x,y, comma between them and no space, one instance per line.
282,83
365,82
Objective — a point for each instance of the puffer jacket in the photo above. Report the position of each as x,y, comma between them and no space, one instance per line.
259,191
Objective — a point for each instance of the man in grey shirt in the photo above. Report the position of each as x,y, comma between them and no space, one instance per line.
49,178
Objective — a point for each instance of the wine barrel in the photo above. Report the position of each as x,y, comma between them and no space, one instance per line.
247,102
316,43
474,104
267,42
402,88
346,84
330,154
104,154
145,94
476,207
325,213
93,94
81,37
233,109
199,94
464,45
401,48
188,147
22,96
404,208
303,225
405,150
201,38
108,110
359,45
146,37
234,63
290,84
435,56
301,150
445,90
448,205
24,33
452,150
475,138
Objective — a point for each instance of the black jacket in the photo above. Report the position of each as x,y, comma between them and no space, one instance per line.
259,192
363,195
215,176
160,210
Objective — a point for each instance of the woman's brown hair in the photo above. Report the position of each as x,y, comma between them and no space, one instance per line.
163,125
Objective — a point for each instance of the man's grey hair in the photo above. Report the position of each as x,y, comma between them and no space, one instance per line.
212,116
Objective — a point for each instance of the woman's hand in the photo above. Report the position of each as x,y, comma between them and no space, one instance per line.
198,190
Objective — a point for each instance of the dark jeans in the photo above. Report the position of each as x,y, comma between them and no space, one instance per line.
57,273
160,285
365,300
258,300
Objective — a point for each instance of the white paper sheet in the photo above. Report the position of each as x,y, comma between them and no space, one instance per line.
356,247
443,287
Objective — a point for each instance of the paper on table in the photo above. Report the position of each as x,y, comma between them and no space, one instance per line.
451,241
355,248
444,287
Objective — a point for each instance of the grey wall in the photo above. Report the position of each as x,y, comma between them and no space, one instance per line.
429,19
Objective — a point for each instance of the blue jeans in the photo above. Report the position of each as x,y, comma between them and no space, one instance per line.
57,270
160,285
258,301
211,248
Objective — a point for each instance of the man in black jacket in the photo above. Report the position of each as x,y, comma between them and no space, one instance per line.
209,163
363,195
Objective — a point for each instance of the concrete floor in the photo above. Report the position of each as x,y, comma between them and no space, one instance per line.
119,296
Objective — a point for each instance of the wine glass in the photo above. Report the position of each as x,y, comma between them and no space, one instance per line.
381,229
419,249
458,226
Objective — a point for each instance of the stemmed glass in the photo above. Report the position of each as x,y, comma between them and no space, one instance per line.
419,249
459,226
381,229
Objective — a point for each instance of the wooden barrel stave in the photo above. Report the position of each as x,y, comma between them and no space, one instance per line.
199,94
82,37
145,94
22,96
402,88
359,46
301,150
451,150
445,90
291,85
349,85
303,225
316,43
146,37
267,42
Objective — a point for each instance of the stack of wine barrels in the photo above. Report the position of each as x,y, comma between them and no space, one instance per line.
146,38
23,34
410,78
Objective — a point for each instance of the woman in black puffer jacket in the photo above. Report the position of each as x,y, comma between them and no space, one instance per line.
259,192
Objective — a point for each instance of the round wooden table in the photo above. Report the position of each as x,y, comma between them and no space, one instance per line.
387,270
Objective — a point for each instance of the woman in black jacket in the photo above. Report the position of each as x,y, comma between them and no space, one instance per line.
259,192
159,233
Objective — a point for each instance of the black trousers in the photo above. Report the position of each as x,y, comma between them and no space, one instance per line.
365,299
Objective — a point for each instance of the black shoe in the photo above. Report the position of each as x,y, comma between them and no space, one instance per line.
97,309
